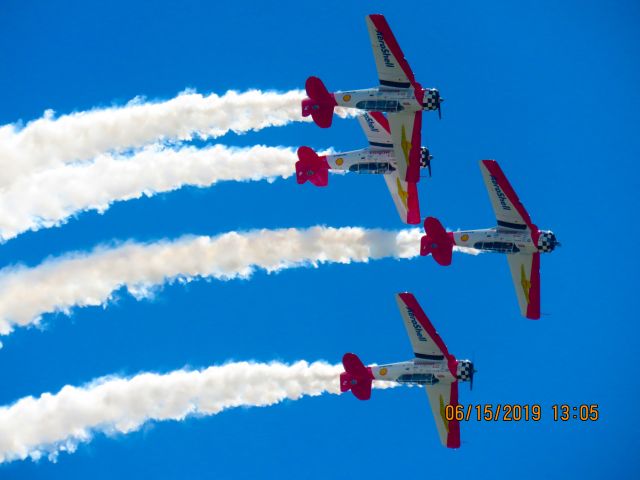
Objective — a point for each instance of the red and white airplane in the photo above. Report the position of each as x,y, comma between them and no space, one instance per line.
515,235
399,94
433,366
378,158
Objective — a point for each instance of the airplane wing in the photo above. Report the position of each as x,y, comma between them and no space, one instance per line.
509,211
440,395
425,341
525,272
405,198
428,345
406,130
393,69
376,128
405,195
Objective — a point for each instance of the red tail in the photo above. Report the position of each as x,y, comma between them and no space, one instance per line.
319,104
356,377
312,167
437,242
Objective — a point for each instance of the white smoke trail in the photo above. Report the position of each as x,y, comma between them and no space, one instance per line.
33,427
90,278
84,135
51,196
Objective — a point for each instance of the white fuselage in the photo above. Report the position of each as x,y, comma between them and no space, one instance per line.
496,240
417,371
386,100
365,160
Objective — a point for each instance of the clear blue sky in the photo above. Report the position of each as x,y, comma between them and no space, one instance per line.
549,89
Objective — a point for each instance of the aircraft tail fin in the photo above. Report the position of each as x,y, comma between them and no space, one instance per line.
356,377
320,103
312,167
437,242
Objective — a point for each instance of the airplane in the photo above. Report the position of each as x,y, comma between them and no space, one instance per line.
515,235
433,366
378,158
399,94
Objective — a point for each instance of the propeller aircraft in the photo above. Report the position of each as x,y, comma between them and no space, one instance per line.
433,366
515,235
377,158
399,95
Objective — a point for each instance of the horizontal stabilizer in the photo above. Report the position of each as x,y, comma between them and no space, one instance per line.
320,103
312,167
356,377
437,242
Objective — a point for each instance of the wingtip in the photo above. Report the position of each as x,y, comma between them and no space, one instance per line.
453,443
488,162
405,296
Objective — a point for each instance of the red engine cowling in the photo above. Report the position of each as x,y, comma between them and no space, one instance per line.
312,167
437,242
356,377
320,103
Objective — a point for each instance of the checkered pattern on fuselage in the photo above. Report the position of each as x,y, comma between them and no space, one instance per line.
464,370
430,99
546,242
429,102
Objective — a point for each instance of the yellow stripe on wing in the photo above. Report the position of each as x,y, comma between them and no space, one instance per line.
402,193
526,284
405,145
443,414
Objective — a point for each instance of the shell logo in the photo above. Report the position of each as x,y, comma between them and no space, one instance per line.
383,371
339,161
464,237
346,98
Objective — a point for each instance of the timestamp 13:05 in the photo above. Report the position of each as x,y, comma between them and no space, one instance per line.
520,412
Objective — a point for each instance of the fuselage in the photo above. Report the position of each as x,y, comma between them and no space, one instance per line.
369,160
505,241
422,372
365,160
388,99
